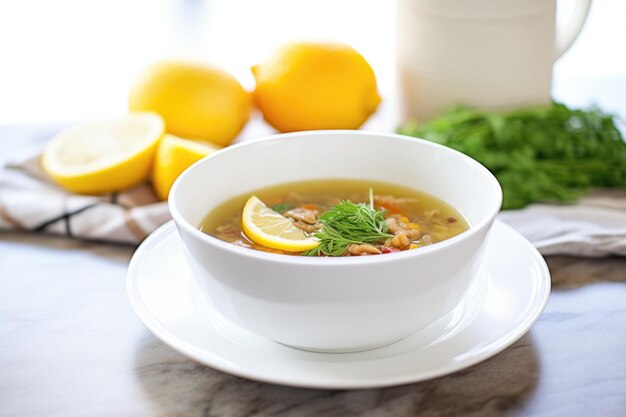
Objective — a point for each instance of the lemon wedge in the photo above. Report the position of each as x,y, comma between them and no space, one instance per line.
104,156
173,156
269,228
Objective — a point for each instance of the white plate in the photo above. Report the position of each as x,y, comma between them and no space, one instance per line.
506,299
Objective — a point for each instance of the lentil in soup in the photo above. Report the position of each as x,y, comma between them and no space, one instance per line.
334,218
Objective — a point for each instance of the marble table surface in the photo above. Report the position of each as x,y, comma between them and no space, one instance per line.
70,345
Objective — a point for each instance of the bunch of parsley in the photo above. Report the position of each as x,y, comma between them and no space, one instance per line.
542,154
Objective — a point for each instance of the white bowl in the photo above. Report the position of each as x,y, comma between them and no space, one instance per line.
335,304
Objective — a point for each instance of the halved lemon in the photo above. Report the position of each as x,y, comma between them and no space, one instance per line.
269,228
104,156
173,156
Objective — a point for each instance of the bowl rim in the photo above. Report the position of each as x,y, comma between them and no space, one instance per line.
452,242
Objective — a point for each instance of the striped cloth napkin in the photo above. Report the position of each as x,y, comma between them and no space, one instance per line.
29,201
593,227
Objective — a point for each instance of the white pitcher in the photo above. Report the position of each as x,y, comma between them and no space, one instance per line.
492,54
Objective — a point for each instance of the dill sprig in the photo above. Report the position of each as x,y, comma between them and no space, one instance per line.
282,207
348,223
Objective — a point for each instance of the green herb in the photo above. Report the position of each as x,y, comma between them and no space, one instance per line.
348,223
549,154
282,207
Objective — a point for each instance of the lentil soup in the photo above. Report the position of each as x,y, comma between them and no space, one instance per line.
346,217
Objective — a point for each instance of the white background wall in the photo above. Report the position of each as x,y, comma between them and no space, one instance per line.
66,60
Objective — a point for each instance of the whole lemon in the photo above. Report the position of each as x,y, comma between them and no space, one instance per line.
308,86
195,100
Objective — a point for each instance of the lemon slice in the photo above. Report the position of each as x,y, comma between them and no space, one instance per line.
173,156
104,156
269,228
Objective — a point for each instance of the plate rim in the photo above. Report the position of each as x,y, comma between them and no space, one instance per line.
215,361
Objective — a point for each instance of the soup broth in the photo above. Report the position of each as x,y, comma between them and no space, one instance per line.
412,219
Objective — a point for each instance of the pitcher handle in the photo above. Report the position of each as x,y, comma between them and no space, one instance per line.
567,33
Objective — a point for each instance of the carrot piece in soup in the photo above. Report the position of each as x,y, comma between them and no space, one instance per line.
310,207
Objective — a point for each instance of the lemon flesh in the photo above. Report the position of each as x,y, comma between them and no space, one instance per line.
104,156
173,156
268,228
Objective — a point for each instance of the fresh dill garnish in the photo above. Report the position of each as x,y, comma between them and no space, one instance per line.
282,207
349,223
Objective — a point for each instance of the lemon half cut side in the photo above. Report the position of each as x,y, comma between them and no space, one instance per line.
104,156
